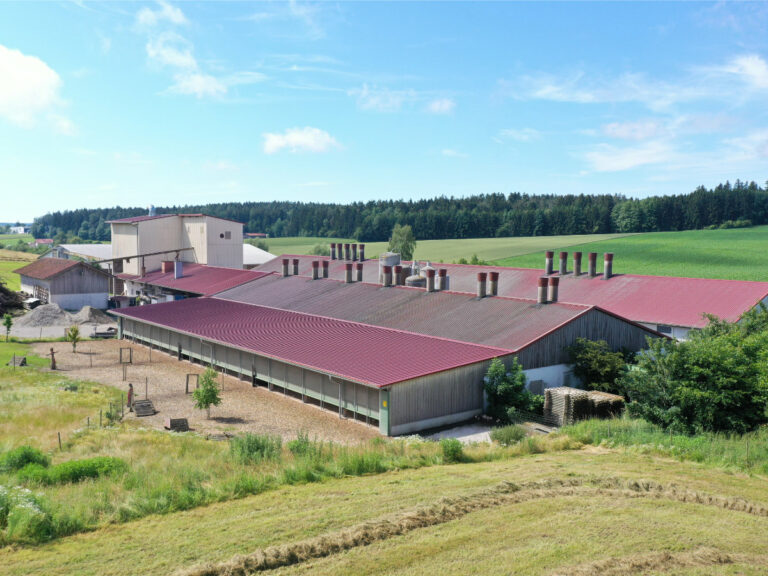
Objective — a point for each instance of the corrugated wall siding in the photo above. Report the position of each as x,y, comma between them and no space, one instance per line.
594,325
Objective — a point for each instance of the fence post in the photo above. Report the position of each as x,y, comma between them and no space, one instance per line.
100,423
122,405
59,433
146,387
88,422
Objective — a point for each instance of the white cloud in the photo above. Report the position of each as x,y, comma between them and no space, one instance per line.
170,49
382,99
442,106
198,84
641,130
606,158
750,68
305,139
751,146
520,135
62,124
451,153
28,87
148,18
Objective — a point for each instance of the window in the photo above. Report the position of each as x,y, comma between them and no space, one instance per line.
228,235
664,329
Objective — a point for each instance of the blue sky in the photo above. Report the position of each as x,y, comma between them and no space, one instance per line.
132,103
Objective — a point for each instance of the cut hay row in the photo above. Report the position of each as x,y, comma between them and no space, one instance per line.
448,509
662,562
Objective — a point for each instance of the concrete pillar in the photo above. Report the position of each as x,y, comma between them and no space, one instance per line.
398,275
295,266
325,268
592,264
548,257
361,250
481,281
563,263
430,280
554,282
608,265
577,263
359,267
285,266
442,279
387,275
541,295
354,251
348,272
494,283
333,250
315,269
346,251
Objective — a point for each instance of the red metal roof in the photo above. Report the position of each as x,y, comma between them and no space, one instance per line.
45,268
648,299
366,354
508,323
134,219
198,278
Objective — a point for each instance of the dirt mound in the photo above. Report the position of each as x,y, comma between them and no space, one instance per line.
46,315
90,315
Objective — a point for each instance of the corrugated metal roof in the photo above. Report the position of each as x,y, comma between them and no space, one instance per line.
500,322
45,268
253,255
198,278
649,299
367,354
96,251
134,219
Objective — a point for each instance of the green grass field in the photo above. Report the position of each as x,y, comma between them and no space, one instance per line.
737,254
447,250
11,260
13,238
544,506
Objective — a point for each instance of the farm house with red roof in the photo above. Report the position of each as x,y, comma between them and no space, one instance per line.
69,283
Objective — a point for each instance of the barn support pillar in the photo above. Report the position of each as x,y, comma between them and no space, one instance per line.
384,426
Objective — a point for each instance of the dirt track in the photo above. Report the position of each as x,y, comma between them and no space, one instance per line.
243,407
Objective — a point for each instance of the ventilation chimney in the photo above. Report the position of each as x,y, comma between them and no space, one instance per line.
608,265
442,279
295,266
481,280
430,280
563,263
354,251
388,275
494,285
325,268
541,295
398,275
359,267
548,262
178,269
361,249
346,251
554,282
577,263
348,272
315,269
592,264
166,266
333,250
285,266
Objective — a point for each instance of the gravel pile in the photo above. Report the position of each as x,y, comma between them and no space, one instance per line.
89,315
46,315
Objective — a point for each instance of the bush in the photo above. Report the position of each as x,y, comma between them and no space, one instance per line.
72,471
505,391
20,457
302,445
452,449
254,448
508,435
22,517
597,366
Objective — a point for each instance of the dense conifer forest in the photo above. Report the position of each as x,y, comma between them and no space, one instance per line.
481,216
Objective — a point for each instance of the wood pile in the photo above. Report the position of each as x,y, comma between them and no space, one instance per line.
144,408
177,424
565,405
18,361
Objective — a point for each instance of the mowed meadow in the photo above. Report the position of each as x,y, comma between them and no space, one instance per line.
11,260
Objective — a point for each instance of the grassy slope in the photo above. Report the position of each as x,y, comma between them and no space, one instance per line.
447,250
738,254
534,537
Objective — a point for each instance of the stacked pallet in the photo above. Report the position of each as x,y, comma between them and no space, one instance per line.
144,408
565,405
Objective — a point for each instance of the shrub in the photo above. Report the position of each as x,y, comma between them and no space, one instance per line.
505,390
508,435
22,517
20,457
254,448
597,366
302,445
452,449
73,470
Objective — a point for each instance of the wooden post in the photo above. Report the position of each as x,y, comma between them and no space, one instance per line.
59,433
146,387
14,362
90,356
125,370
122,405
341,400
100,423
88,422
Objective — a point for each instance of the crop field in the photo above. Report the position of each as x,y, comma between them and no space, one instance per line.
11,260
736,254
487,249
557,504
13,238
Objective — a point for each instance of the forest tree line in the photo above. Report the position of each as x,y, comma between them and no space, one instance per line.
480,216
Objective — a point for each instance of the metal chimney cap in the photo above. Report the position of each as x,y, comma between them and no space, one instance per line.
315,264
285,260
550,253
348,265
563,254
577,255
554,280
609,256
592,256
443,272
359,265
543,280
482,276
494,276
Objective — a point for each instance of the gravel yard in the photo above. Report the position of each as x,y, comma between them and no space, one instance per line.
243,407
